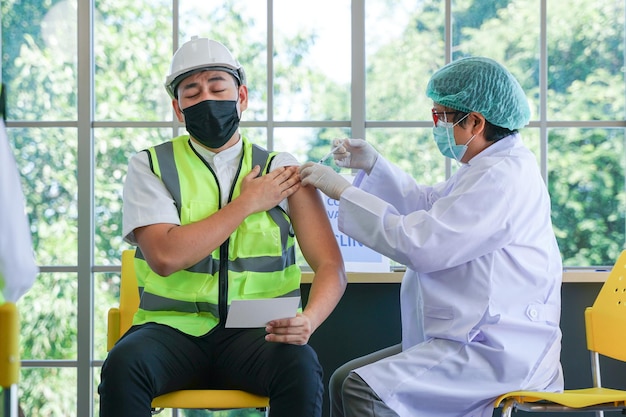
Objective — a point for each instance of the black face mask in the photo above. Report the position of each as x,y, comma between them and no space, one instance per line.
212,122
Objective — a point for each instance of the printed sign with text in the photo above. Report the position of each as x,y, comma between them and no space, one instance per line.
357,256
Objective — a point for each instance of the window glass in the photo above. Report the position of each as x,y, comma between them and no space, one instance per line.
307,144
413,150
256,135
586,183
132,50
241,25
46,159
586,60
48,392
312,60
48,318
530,138
403,45
477,24
39,59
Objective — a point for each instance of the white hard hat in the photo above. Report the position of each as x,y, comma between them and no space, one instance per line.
200,54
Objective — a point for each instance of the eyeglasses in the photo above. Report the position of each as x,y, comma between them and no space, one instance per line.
445,113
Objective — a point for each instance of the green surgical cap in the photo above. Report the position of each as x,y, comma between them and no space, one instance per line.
481,85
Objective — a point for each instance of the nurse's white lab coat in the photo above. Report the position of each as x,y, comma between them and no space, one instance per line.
17,260
480,300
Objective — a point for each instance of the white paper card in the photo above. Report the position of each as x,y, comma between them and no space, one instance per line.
256,313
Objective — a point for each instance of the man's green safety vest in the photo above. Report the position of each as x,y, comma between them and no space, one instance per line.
256,261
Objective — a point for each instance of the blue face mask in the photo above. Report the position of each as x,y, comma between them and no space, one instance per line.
444,138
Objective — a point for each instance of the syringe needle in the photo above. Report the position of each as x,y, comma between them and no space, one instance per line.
329,154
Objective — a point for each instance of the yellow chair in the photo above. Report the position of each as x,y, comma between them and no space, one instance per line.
119,321
605,327
9,359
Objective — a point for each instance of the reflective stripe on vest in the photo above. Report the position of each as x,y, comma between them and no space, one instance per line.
258,261
153,302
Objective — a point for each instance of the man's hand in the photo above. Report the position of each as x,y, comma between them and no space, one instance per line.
264,192
323,178
294,331
355,153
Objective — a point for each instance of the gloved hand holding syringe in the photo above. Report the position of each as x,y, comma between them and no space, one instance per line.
352,153
357,153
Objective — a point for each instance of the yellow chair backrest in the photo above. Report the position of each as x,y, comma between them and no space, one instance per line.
605,321
129,293
121,318
9,345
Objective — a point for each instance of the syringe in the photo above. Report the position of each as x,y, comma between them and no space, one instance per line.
329,154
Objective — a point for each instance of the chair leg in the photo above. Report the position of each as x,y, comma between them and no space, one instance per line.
508,407
9,401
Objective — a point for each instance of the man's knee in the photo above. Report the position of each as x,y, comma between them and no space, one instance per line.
299,369
123,367
303,361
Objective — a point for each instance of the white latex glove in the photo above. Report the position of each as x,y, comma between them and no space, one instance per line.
324,178
355,153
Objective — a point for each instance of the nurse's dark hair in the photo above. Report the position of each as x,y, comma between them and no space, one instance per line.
493,133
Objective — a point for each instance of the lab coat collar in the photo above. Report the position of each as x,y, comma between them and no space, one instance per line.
506,142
